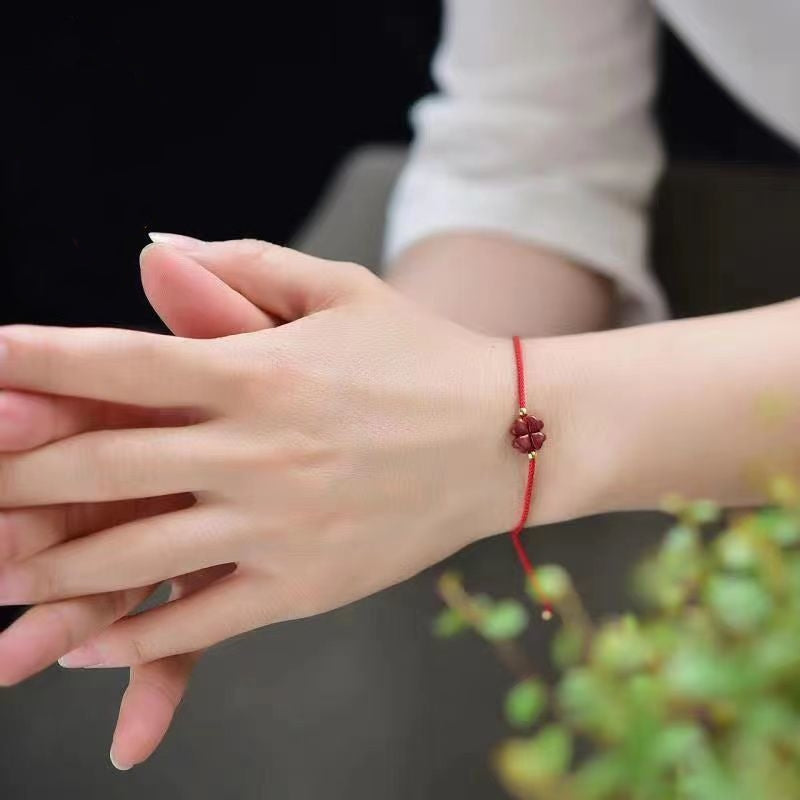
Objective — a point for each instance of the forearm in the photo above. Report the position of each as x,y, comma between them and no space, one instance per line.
498,285
706,407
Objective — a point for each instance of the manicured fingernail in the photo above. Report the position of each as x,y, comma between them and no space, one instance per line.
84,657
176,240
122,766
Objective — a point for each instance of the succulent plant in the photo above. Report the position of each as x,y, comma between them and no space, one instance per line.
696,698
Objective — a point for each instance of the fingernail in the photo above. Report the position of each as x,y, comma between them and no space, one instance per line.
122,766
176,240
84,657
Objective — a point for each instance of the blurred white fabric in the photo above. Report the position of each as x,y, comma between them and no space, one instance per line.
542,127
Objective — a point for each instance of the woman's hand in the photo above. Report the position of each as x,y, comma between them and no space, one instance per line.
334,456
193,302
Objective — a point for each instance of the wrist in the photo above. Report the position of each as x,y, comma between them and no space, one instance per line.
491,269
574,466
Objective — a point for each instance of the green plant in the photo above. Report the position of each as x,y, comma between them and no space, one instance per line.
697,698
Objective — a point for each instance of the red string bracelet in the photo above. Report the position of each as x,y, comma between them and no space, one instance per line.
528,438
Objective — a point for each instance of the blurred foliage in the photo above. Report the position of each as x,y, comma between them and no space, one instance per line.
697,698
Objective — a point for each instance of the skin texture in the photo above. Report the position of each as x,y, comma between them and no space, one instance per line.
394,421
193,302
474,279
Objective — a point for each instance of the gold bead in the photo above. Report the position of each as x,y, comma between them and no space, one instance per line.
547,615
523,412
532,456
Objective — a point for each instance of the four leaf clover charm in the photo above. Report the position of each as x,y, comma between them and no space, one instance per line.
527,433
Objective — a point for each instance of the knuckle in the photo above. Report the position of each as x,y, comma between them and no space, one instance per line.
230,366
138,650
256,252
359,275
260,249
162,687
258,372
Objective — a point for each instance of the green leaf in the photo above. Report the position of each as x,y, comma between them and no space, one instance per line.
737,551
552,749
739,602
669,578
591,701
781,526
525,703
448,623
567,647
680,541
695,672
676,742
776,654
529,764
703,776
507,619
621,647
602,777
554,582
785,491
702,512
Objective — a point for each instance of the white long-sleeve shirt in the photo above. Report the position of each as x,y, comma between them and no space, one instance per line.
542,125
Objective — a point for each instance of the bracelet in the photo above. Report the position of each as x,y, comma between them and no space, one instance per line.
528,438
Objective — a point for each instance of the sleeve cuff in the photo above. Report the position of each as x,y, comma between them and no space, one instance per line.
608,238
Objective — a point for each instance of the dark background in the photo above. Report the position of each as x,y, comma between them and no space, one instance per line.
224,125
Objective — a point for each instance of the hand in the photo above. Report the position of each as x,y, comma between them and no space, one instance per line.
336,455
193,302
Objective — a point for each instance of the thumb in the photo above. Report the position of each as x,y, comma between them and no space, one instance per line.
192,301
283,282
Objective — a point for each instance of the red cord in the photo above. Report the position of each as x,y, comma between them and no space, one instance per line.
516,533
523,403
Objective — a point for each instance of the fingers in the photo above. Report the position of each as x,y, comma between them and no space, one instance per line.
30,420
154,692
47,631
117,366
136,553
103,466
225,609
284,282
156,689
24,532
194,302
176,287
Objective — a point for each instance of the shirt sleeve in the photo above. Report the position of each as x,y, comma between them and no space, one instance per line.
541,130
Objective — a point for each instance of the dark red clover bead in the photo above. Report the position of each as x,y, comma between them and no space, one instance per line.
527,433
